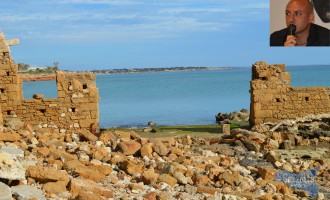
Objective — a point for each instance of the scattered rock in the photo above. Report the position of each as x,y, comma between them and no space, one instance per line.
121,164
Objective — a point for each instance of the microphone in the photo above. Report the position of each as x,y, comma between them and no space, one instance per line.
292,29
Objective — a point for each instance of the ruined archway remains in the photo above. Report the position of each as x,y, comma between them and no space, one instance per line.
75,108
273,99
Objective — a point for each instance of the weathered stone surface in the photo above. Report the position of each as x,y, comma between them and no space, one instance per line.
13,151
9,137
225,128
78,186
14,123
55,187
129,147
107,137
88,135
149,176
131,167
146,150
10,168
123,134
232,178
206,189
5,192
58,154
267,173
150,196
26,192
168,179
76,105
274,100
160,148
47,174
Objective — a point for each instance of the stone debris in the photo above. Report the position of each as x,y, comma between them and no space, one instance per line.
122,165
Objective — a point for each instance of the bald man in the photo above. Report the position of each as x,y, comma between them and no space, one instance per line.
300,13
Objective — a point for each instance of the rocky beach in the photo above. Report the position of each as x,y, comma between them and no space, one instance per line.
44,162
54,148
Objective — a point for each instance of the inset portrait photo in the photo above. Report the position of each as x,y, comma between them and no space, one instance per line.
299,23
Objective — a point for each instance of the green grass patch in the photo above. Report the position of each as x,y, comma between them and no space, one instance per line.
210,130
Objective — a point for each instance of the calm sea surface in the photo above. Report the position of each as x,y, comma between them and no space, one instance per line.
176,98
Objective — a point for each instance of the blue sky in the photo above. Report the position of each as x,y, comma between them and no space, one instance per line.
104,34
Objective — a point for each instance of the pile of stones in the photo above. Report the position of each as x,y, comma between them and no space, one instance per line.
45,162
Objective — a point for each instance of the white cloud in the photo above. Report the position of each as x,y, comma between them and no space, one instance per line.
124,19
192,10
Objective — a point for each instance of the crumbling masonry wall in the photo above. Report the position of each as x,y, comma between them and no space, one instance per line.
273,99
75,108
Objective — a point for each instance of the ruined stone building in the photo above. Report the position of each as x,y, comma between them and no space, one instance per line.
273,99
75,108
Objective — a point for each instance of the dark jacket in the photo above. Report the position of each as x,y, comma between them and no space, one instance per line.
318,36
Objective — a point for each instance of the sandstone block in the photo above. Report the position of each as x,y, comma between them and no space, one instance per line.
131,167
5,192
9,137
200,179
150,196
232,178
123,134
107,137
47,174
149,176
129,147
136,186
168,179
99,154
177,151
206,189
88,135
27,192
78,186
57,154
103,169
10,168
160,149
55,187
267,173
90,173
146,150
225,128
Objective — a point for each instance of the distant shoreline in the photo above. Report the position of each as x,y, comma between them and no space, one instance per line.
154,70
45,77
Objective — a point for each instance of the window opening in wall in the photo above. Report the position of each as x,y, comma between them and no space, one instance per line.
2,90
4,54
73,109
264,78
307,98
47,88
84,86
43,111
8,73
278,100
8,112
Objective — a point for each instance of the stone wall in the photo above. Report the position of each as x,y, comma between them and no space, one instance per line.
273,99
75,108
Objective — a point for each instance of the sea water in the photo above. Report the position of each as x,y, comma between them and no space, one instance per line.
176,98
